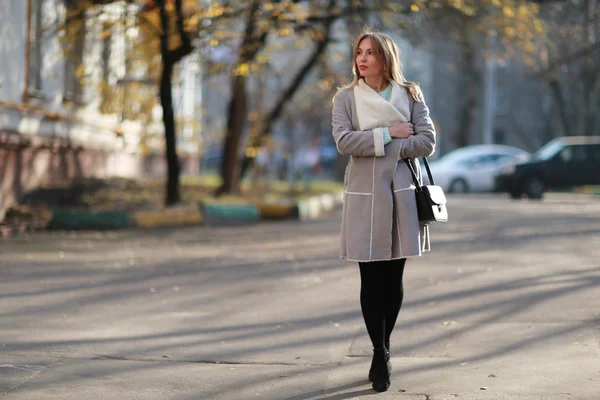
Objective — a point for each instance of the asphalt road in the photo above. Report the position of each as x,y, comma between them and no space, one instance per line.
506,306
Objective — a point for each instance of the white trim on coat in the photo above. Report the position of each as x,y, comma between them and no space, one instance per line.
372,211
378,142
383,259
398,230
411,187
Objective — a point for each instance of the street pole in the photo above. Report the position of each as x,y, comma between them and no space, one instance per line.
489,107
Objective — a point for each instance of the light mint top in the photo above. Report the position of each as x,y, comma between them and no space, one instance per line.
386,94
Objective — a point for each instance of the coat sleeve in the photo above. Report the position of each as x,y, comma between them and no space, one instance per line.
351,142
422,143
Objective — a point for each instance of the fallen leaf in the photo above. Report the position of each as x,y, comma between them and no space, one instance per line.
491,376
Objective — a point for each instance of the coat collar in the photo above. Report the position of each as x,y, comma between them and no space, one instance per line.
375,112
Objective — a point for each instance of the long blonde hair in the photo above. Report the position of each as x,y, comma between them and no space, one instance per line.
388,53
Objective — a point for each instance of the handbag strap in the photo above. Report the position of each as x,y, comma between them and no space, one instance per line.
410,166
414,174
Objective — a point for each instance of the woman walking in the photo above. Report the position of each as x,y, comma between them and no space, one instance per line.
380,119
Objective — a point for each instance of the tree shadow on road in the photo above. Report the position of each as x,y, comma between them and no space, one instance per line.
205,319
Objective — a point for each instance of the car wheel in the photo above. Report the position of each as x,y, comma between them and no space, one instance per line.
534,187
459,186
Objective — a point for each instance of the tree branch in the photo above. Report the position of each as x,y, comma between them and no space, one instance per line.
164,35
287,94
581,53
331,16
186,44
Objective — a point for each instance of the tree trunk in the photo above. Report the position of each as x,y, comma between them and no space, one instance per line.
236,115
169,59
236,118
166,101
472,80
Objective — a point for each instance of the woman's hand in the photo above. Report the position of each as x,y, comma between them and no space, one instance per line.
402,130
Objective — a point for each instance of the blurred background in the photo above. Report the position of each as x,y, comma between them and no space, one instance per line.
182,98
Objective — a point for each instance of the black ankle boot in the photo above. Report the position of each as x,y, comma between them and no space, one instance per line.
387,347
381,370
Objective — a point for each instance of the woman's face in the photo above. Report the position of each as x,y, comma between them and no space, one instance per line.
366,61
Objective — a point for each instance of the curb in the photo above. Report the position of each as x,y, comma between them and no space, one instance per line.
167,217
315,206
587,189
71,219
204,213
302,210
216,214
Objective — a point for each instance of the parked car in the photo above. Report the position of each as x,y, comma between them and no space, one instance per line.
561,163
473,168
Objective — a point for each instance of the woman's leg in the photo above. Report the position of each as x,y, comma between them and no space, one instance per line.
393,294
372,301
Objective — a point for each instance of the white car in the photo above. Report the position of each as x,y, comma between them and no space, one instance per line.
473,168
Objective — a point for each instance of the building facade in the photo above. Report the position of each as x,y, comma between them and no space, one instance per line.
55,122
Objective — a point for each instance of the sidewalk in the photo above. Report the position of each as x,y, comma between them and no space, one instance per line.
505,307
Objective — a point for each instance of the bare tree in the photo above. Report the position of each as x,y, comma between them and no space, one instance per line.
569,62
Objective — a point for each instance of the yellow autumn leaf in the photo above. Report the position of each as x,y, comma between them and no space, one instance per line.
80,70
243,69
469,11
508,12
538,26
414,8
193,20
214,42
323,84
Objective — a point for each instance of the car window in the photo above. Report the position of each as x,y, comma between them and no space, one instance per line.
502,158
486,159
573,154
495,158
466,161
549,150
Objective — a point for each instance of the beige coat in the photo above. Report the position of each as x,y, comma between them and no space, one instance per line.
379,214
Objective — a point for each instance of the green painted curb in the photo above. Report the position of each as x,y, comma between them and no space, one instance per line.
229,214
67,219
210,214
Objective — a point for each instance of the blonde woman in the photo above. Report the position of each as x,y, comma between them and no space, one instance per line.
379,120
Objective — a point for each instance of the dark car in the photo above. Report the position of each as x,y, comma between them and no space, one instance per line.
562,163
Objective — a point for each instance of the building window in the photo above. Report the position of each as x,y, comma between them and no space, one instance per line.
35,52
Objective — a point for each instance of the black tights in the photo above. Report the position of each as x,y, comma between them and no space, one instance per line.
381,295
